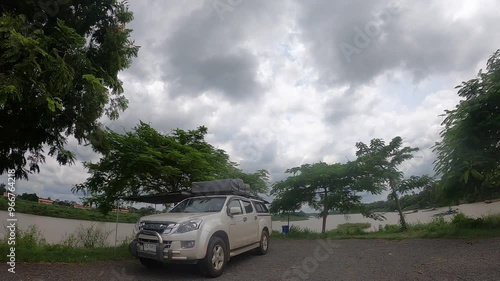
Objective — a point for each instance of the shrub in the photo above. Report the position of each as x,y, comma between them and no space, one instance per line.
92,236
351,228
462,221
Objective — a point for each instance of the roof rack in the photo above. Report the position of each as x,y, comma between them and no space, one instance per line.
204,188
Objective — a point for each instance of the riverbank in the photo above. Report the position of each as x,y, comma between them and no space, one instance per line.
89,244
66,212
85,245
460,226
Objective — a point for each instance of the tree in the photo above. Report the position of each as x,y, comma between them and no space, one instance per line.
29,197
382,162
323,187
2,188
59,67
144,161
468,157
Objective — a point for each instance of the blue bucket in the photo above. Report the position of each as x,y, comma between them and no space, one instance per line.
285,229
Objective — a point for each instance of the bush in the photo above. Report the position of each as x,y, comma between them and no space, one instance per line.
92,236
462,221
391,228
351,228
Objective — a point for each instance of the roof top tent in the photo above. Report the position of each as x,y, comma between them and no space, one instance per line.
219,187
202,188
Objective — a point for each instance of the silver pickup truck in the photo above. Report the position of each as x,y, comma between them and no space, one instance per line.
207,230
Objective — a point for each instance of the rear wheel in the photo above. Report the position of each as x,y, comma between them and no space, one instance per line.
264,243
214,263
149,263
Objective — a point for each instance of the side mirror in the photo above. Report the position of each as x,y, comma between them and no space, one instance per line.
234,211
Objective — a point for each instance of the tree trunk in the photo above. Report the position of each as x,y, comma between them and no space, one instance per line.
325,212
401,215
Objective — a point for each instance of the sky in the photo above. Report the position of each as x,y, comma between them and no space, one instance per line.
285,83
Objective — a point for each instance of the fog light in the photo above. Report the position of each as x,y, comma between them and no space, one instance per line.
187,244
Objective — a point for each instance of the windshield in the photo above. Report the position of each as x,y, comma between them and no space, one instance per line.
200,205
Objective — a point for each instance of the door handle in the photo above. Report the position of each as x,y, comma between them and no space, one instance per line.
255,217
245,219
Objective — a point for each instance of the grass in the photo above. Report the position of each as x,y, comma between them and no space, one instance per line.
31,247
35,208
461,226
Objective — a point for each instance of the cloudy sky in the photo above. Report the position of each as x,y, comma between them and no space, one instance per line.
282,83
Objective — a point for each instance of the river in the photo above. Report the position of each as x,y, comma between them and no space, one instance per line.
54,230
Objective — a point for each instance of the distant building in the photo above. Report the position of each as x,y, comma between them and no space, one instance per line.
120,210
6,194
45,201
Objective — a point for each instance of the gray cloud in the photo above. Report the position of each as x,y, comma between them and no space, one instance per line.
352,42
270,81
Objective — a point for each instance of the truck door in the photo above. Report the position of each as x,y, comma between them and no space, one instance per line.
237,231
251,223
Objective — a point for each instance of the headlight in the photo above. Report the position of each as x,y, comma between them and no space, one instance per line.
138,226
189,226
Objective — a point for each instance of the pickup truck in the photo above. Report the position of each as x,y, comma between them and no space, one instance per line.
203,230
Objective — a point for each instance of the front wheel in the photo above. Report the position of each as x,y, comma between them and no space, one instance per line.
214,263
264,243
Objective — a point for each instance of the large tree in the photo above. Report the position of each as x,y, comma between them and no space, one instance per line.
381,161
144,161
469,153
59,64
324,187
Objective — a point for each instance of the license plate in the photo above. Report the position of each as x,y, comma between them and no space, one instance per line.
149,247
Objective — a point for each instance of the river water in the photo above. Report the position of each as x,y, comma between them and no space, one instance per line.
55,230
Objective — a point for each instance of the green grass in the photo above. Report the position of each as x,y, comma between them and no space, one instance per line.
460,227
35,208
31,247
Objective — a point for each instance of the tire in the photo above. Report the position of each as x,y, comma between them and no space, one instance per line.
149,263
215,260
264,243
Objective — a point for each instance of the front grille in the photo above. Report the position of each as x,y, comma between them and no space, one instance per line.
159,227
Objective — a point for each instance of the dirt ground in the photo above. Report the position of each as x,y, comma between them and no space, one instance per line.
307,260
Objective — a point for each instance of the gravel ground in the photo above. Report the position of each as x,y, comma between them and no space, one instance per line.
308,260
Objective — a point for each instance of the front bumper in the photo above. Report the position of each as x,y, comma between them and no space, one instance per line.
166,251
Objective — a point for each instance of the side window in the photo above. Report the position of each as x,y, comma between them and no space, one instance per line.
261,208
258,207
248,206
235,203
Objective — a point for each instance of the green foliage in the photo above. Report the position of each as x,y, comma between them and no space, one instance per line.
381,161
29,197
145,161
91,236
460,227
58,78
32,247
323,187
67,212
469,153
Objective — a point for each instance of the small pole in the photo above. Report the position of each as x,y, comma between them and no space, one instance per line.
116,225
